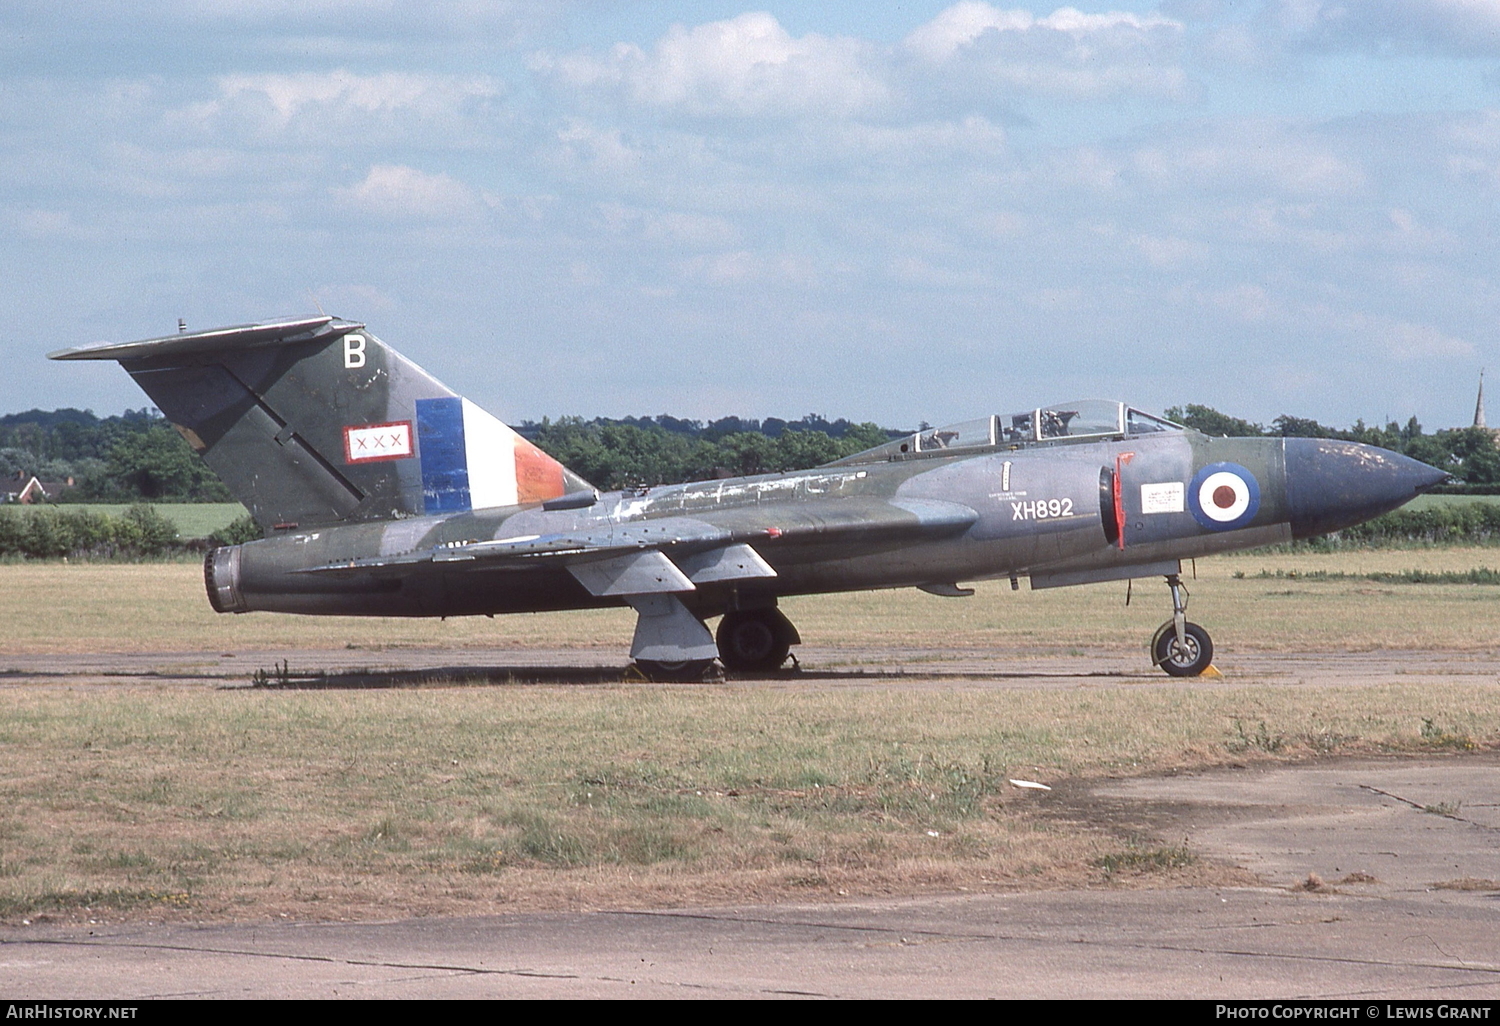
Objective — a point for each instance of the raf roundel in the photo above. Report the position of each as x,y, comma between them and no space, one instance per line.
1224,496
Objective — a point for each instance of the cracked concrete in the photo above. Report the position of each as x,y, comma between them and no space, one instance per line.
1408,825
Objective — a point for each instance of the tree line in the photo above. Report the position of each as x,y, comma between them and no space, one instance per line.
133,457
1469,454
664,450
52,532
138,457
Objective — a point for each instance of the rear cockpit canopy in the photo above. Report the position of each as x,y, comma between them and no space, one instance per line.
1085,419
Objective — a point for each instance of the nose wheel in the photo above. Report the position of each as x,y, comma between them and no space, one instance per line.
1180,648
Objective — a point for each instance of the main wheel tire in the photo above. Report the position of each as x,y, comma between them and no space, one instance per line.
1188,660
754,640
689,671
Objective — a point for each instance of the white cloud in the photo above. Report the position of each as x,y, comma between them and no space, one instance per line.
746,267
1067,53
404,193
32,223
670,227
927,142
603,151
344,106
1251,155
354,17
1169,251
981,179
353,296
1249,303
964,23
291,94
1401,340
1462,27
748,66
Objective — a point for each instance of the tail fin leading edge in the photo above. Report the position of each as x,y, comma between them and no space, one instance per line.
315,421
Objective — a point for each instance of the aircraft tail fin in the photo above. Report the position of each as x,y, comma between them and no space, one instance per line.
315,421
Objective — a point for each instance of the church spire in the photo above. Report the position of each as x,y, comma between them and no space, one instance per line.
1479,405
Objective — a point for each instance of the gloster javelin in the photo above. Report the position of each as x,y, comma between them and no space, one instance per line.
384,493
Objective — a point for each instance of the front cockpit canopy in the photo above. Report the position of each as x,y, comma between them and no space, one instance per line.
1084,419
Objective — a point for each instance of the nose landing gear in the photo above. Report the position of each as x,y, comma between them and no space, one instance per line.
1180,648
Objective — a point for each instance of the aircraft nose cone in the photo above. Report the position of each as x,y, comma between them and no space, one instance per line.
1331,484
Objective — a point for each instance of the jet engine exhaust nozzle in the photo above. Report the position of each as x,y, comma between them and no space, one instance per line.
221,576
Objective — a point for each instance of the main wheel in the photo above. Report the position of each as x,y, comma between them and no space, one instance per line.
688,671
754,640
1190,658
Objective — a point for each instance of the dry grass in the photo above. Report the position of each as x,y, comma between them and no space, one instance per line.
51,607
1467,883
178,802
1245,614
133,801
161,607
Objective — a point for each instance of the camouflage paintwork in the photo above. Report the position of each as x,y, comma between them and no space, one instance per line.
913,522
271,408
278,410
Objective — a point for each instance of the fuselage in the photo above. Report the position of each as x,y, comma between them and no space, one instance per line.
1060,513
383,492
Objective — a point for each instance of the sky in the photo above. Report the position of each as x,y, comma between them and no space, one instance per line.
895,212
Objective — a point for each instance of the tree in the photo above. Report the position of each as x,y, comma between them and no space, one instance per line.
1301,427
158,464
1473,454
1211,422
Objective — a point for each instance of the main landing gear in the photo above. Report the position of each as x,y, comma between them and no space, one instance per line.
755,640
1182,649
672,644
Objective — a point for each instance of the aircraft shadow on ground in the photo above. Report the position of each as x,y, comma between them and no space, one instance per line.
283,677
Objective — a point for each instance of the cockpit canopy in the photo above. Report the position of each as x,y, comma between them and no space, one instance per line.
1060,423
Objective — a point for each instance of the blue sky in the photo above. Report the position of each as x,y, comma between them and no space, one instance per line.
899,212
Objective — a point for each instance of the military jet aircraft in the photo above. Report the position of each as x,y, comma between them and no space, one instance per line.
384,493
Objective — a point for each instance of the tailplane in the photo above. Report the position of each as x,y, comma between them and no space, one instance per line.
315,421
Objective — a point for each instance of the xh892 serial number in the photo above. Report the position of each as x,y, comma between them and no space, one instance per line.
1041,509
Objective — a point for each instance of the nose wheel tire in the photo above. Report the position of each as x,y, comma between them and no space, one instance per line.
1186,659
754,640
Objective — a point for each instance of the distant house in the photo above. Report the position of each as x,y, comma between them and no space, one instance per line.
35,490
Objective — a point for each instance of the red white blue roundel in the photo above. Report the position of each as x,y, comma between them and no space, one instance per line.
1224,496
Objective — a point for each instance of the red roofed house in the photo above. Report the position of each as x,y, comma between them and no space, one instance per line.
37,491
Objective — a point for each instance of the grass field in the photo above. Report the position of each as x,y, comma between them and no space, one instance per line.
193,520
105,607
1429,501
175,802
451,800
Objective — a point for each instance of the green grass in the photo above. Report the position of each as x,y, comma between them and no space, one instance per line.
1422,502
193,520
